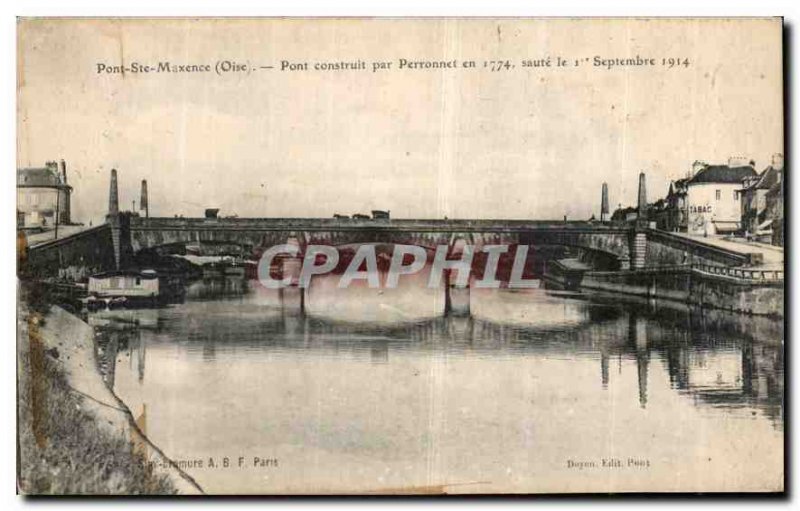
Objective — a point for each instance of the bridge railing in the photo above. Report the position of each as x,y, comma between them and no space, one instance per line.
398,224
751,274
708,251
741,273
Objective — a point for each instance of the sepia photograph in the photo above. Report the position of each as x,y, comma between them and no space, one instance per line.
400,256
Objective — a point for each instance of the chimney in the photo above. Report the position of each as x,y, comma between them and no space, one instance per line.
604,203
63,172
697,166
143,204
777,161
739,161
52,166
113,195
642,196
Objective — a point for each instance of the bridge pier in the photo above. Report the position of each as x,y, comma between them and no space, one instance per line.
638,243
120,239
292,300
292,297
116,241
456,298
120,223
638,250
290,267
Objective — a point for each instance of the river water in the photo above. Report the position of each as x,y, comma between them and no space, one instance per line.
379,391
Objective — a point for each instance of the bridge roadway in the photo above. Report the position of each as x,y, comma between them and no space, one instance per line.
369,225
295,226
150,232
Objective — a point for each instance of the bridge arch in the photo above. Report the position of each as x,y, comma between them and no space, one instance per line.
252,234
128,235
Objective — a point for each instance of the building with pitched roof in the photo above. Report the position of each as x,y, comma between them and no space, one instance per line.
756,216
712,197
773,213
677,213
43,196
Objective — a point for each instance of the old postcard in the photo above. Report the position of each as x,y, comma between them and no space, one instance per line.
400,256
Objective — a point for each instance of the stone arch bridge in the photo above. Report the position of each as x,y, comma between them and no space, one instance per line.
114,244
148,233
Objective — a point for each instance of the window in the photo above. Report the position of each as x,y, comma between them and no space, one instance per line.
719,194
735,195
138,281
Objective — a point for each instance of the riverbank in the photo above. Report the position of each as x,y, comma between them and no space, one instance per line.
749,291
75,436
724,290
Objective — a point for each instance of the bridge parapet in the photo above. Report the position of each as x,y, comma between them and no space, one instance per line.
750,275
74,257
433,225
669,248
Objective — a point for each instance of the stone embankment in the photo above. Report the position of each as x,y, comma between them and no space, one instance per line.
57,346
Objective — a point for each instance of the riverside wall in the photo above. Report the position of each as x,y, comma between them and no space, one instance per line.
74,341
695,287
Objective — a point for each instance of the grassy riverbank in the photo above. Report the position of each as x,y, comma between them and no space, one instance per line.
62,448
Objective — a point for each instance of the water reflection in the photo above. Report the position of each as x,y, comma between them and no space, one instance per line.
214,288
381,394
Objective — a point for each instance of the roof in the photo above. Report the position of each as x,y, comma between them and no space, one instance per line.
44,176
659,204
144,274
768,178
775,189
677,187
722,174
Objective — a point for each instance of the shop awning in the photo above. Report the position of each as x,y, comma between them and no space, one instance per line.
725,226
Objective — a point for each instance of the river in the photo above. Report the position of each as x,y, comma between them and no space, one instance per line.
378,391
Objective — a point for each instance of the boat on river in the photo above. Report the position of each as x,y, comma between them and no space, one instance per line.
124,289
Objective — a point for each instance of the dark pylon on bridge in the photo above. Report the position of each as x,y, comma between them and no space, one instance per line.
143,204
114,219
642,205
604,203
639,237
113,195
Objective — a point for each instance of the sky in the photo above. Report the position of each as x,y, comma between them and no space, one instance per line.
464,143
